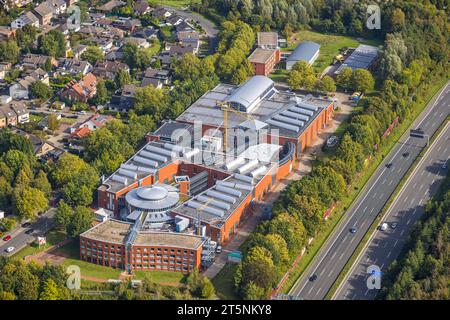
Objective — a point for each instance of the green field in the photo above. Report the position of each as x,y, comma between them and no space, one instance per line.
224,282
174,3
329,45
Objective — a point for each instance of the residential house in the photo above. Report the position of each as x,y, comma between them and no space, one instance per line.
9,114
156,77
60,6
7,33
146,33
4,67
44,12
139,42
189,38
111,5
174,20
127,24
34,61
96,121
141,7
124,101
161,13
21,89
180,50
80,133
108,69
184,26
27,18
78,50
103,22
82,90
40,147
21,111
103,43
74,66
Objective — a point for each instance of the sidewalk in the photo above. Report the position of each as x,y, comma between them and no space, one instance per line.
304,168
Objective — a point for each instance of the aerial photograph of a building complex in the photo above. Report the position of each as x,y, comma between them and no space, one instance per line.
212,150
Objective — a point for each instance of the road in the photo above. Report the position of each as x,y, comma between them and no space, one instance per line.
207,25
385,246
19,239
339,247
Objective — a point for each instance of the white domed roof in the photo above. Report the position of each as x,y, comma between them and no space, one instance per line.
155,198
154,193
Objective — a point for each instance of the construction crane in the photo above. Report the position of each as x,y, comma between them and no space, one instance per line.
225,106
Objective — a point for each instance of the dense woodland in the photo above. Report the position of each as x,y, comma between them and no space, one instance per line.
422,272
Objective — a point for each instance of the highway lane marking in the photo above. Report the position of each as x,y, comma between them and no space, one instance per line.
340,258
401,233
334,254
323,270
390,183
318,291
395,243
413,200
381,196
389,254
330,273
406,198
408,222
310,290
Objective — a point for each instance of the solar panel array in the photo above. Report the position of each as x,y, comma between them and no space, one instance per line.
361,58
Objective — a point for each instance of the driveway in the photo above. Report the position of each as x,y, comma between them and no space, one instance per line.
207,25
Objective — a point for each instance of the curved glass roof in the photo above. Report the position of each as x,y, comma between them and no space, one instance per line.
251,90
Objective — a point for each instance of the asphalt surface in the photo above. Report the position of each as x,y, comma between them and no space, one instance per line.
207,25
339,247
19,239
385,246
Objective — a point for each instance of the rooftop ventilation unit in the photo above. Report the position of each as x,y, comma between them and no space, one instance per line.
285,119
233,192
173,147
164,152
146,170
146,161
243,178
120,179
197,205
283,125
308,106
249,165
219,204
295,115
247,187
302,111
127,173
128,167
234,163
259,171
220,196
153,156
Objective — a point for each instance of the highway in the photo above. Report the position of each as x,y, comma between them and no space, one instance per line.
384,246
19,239
340,245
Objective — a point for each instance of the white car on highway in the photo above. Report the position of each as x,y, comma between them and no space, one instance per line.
10,249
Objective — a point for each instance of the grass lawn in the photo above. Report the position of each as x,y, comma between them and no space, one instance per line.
35,118
162,277
67,120
174,3
224,282
279,75
53,237
329,45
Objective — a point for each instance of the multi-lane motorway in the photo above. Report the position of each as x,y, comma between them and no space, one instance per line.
384,246
20,239
339,247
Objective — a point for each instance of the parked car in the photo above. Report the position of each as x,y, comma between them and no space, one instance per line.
7,238
9,249
383,227
219,249
406,154
26,224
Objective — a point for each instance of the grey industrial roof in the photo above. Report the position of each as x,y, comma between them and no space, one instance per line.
304,51
169,239
251,90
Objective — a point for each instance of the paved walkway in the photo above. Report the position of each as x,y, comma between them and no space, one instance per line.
304,168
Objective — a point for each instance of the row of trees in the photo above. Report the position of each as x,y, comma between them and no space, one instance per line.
21,281
302,77
422,272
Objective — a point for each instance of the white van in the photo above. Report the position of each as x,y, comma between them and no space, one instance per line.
383,227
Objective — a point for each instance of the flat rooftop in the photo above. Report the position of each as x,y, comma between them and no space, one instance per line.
109,231
207,111
169,239
261,55
267,39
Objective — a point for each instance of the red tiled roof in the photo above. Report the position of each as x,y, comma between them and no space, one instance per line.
81,132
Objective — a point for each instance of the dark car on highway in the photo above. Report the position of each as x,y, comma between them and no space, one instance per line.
406,154
388,165
7,238
26,224
313,278
29,231
353,229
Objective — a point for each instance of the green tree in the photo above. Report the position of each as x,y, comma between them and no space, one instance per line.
40,90
362,80
92,54
49,291
81,221
53,122
344,78
326,84
63,214
28,202
122,78
53,44
9,51
102,93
